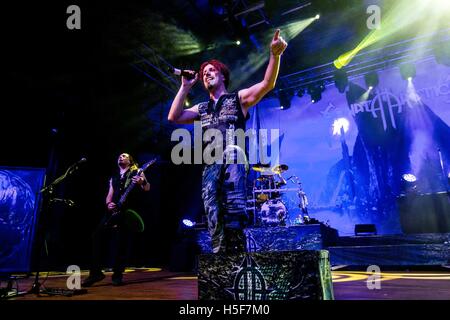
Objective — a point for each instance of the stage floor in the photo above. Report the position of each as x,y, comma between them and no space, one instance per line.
158,284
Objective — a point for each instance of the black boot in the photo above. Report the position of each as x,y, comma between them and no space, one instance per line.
93,278
117,279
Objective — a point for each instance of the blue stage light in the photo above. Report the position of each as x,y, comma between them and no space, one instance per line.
409,177
188,223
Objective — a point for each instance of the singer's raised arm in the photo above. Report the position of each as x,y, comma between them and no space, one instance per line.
251,96
177,112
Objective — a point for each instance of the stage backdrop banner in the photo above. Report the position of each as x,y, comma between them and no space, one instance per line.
19,212
350,150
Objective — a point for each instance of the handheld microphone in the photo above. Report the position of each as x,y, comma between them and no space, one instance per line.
183,73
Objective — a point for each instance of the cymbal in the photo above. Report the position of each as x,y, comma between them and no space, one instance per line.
264,178
280,168
261,167
264,165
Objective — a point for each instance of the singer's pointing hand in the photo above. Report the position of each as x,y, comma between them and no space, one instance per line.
278,44
188,83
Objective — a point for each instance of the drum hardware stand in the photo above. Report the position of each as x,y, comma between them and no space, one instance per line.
303,200
269,193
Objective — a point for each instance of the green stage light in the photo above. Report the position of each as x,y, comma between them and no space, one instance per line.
422,16
293,29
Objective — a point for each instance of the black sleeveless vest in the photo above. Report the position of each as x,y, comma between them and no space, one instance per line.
226,114
120,183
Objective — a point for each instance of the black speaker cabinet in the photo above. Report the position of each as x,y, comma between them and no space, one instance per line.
425,213
286,275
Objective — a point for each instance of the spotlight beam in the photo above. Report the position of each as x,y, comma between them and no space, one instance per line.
395,21
256,60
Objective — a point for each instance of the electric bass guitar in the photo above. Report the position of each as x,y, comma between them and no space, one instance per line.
129,217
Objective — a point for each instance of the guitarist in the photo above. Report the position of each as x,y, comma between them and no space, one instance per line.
118,183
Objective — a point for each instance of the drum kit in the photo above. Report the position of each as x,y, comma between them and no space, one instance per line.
269,208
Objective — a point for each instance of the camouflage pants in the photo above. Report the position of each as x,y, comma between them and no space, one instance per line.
224,198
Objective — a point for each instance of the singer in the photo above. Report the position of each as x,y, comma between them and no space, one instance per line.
224,185
119,233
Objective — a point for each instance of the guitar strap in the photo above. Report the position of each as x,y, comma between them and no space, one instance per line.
129,175
122,183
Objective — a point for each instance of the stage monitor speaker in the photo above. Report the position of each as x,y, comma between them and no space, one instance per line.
425,213
286,275
19,211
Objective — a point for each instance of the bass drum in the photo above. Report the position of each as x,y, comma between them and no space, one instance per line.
273,213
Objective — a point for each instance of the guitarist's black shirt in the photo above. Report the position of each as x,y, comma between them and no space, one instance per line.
120,183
